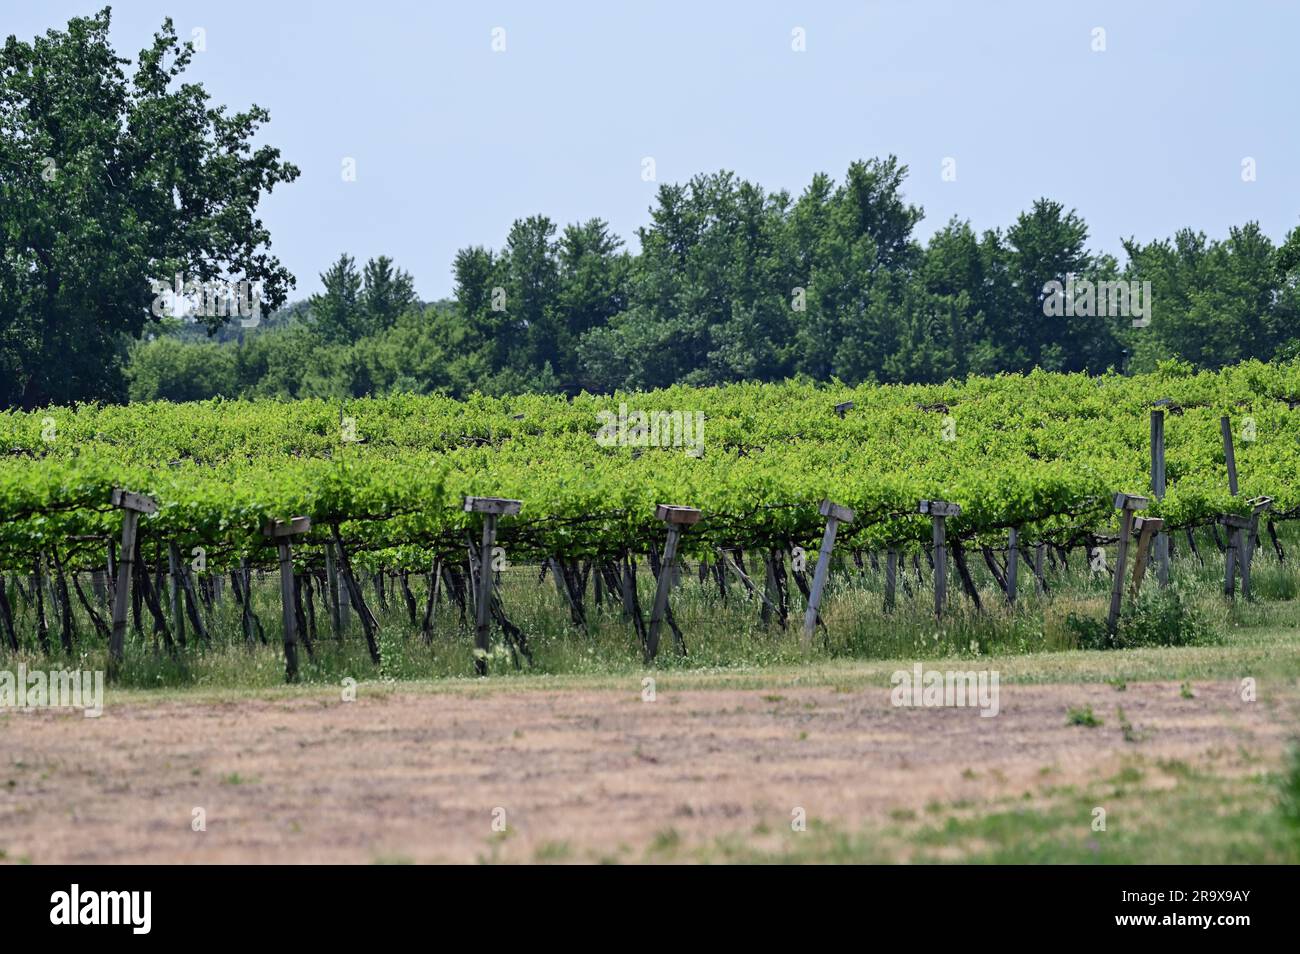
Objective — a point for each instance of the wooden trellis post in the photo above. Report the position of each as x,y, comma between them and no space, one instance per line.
1259,506
939,511
131,505
835,515
1232,553
1229,456
174,591
1145,528
725,559
1241,546
332,592
1013,563
676,518
1233,549
345,599
1158,491
282,532
1126,504
491,508
246,610
891,578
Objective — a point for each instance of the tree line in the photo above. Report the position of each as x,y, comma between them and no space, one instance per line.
734,283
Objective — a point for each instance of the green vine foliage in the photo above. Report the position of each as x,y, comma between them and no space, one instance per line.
1042,452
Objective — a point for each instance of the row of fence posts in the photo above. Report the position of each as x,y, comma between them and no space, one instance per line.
676,520
1149,533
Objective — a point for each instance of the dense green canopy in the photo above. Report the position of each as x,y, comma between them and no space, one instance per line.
1044,452
110,182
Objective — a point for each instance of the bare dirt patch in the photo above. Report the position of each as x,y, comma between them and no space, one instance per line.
417,776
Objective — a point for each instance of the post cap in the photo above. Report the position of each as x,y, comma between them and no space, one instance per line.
829,509
137,502
1130,502
671,513
286,528
497,505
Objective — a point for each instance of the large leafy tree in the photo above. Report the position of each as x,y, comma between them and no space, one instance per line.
353,304
861,256
336,314
110,182
1049,244
1217,302
388,292
532,280
1287,309
593,288
967,291
710,297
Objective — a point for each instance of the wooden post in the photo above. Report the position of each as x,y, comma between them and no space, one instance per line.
491,508
288,615
345,594
1146,528
940,564
769,589
483,595
431,601
1013,563
246,609
174,592
110,570
939,511
1241,546
1232,553
131,505
1126,504
676,518
835,515
1158,491
1259,506
1245,541
725,559
282,532
332,592
557,577
891,574
1225,428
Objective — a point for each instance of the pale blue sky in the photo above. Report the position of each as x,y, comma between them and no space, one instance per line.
453,141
